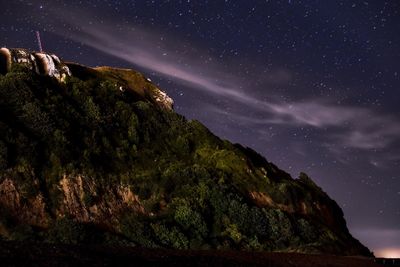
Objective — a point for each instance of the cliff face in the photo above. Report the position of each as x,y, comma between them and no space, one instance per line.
102,158
82,199
78,197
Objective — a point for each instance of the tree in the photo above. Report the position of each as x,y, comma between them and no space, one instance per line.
3,155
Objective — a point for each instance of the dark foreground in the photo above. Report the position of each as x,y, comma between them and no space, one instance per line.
31,254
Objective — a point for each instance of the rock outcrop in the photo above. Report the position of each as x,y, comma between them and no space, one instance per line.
41,63
134,82
30,210
85,200
79,197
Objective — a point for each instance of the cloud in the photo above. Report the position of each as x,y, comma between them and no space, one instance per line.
345,125
350,126
169,57
183,63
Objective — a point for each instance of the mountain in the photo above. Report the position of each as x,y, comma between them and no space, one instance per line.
98,155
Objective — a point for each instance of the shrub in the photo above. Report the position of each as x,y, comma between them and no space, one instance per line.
191,221
170,237
3,156
233,232
23,233
138,230
280,228
67,231
306,231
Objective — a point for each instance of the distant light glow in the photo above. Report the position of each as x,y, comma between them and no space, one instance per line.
388,253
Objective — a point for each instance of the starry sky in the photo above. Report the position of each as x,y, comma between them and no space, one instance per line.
313,85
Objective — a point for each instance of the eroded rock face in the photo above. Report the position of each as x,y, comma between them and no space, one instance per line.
78,197
41,63
81,199
164,100
26,209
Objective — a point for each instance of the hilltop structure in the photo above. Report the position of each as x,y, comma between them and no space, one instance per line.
125,80
41,63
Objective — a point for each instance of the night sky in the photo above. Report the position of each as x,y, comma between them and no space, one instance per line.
312,85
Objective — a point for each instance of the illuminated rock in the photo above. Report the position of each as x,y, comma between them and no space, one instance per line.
41,63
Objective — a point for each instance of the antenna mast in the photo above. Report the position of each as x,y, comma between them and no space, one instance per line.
39,41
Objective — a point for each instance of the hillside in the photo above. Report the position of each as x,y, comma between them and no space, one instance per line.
98,156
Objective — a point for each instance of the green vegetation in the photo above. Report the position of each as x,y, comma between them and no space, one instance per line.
194,186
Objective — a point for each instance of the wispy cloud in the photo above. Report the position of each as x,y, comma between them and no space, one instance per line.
352,126
181,62
166,56
345,125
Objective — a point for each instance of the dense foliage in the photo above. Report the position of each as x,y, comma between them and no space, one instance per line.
193,185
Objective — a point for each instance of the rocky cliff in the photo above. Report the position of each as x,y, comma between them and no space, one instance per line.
102,158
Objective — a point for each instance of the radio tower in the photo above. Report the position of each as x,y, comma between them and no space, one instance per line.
39,41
